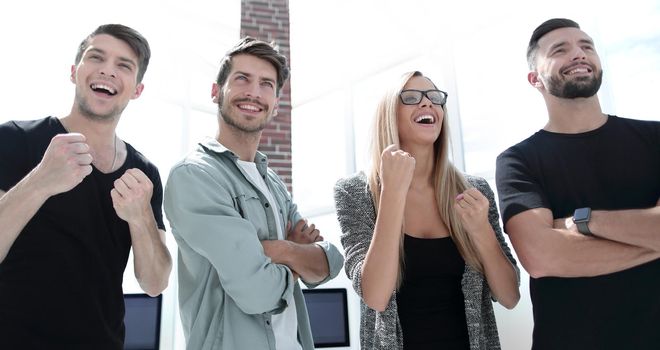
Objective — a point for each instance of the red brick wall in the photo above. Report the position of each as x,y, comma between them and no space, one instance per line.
268,20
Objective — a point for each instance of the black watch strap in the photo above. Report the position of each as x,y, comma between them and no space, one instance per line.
581,219
583,228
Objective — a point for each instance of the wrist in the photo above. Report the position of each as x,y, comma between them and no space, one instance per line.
581,218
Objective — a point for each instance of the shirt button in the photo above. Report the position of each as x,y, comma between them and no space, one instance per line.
267,205
268,323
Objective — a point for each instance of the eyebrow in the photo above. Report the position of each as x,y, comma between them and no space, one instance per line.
563,43
251,75
121,58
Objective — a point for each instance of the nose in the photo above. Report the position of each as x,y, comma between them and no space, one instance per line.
108,69
579,54
425,101
253,90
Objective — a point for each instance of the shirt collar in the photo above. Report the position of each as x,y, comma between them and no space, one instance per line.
215,146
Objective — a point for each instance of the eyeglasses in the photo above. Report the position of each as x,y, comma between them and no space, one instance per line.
413,97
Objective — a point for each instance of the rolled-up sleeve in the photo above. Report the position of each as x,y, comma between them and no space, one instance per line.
202,214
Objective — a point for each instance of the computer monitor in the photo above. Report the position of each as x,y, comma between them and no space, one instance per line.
328,316
142,321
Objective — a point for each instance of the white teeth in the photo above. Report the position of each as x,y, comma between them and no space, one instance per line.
104,87
249,107
427,119
578,70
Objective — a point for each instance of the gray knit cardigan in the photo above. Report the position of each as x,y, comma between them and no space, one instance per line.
382,330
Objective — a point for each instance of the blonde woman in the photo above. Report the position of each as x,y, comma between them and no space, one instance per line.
422,242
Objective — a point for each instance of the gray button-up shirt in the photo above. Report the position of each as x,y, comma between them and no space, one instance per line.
228,287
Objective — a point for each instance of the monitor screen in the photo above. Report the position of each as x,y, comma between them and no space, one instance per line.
142,321
328,316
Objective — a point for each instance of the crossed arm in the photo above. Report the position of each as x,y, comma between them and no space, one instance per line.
546,247
306,259
203,216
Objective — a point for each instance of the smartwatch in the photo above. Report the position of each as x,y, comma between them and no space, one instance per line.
581,218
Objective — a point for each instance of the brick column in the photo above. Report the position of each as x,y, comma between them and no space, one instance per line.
268,20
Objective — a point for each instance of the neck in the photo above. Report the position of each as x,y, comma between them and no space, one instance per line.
95,131
105,147
571,116
242,143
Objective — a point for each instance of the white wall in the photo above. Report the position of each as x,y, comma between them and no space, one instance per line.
342,52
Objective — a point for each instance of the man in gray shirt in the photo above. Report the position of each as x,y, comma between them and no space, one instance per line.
243,245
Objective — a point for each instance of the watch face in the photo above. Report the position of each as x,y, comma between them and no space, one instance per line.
582,214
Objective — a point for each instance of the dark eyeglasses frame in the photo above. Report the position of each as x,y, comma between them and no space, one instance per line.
424,93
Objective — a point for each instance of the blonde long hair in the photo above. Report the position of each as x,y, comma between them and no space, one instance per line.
449,182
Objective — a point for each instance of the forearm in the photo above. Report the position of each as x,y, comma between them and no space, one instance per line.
380,268
547,251
638,227
152,261
499,272
17,207
306,260
568,254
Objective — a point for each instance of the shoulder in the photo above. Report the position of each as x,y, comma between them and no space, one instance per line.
138,160
354,182
477,182
198,160
209,170
645,125
521,147
39,126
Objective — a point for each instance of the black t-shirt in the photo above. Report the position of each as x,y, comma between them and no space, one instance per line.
614,167
61,281
430,302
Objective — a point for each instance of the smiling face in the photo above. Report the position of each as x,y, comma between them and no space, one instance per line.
420,123
567,64
247,101
105,78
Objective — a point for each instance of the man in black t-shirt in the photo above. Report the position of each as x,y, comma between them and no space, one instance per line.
74,199
580,200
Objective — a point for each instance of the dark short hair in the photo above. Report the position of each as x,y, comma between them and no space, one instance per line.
259,49
543,29
130,36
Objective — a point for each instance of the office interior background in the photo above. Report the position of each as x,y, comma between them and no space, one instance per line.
342,54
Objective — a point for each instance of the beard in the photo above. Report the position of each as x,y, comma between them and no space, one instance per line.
228,113
86,110
581,87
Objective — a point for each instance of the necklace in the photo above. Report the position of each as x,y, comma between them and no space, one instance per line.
114,159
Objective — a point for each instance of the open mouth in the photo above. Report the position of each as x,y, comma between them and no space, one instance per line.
581,69
249,108
104,89
425,119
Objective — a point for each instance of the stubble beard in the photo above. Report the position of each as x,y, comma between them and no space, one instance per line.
86,110
569,89
226,113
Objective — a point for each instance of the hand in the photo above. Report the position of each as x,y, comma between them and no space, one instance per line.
396,168
131,196
65,164
565,224
472,209
303,234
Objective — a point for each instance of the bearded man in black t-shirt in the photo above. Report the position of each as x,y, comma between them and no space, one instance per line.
74,199
580,202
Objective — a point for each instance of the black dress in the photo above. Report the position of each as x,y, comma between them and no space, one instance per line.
430,301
